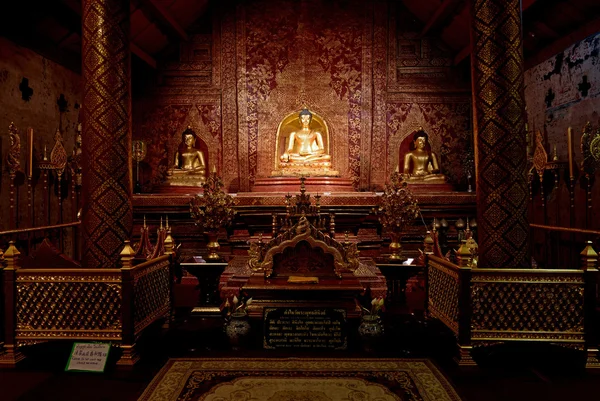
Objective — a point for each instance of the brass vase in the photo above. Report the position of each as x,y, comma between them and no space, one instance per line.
396,248
213,246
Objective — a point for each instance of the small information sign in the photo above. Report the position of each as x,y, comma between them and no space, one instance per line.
88,357
305,328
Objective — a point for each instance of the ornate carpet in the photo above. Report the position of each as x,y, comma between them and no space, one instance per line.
296,379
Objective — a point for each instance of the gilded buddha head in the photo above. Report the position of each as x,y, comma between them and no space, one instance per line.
420,140
305,117
188,137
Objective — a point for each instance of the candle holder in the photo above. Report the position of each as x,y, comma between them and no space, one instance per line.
138,154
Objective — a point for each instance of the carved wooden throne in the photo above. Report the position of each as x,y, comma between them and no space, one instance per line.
302,267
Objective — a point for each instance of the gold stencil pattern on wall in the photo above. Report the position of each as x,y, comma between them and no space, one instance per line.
499,114
107,216
326,58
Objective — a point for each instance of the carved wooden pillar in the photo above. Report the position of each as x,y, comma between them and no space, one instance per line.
499,129
106,123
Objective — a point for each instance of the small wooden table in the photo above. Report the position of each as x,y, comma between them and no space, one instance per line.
208,274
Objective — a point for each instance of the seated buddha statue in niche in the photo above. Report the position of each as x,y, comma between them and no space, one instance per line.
189,167
421,164
305,151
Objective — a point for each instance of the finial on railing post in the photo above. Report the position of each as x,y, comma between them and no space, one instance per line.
11,255
589,257
463,255
127,255
169,244
428,244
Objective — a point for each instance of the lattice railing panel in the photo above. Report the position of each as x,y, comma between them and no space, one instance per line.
151,293
65,306
443,294
531,304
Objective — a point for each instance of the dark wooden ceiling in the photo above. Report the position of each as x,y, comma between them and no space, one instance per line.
53,27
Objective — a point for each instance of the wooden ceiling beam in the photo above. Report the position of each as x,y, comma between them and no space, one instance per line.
135,49
466,51
525,4
440,14
162,14
546,30
463,54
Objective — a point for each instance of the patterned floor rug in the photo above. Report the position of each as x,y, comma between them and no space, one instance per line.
297,379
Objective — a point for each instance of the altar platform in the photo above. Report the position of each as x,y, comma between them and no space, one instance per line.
312,184
255,211
426,196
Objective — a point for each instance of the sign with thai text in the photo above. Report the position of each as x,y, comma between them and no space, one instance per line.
88,357
305,328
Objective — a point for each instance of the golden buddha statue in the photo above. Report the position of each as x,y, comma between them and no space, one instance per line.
421,164
305,153
189,168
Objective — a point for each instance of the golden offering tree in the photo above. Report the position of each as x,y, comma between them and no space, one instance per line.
397,208
212,210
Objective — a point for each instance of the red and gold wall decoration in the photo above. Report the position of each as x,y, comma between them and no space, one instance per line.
295,57
272,58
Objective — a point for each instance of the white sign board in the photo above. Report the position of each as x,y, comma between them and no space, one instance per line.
88,357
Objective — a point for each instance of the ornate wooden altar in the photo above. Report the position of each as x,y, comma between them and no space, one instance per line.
302,267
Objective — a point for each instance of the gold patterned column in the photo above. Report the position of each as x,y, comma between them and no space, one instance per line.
106,113
499,125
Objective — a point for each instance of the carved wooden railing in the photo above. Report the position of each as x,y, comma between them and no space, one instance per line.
561,245
112,304
484,307
28,238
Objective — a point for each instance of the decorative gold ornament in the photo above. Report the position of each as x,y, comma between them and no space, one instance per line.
590,148
212,211
138,154
540,157
397,208
13,157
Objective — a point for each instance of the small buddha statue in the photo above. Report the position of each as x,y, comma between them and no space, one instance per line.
306,145
421,164
189,167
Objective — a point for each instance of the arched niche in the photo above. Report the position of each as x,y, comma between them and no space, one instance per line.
401,143
407,146
291,123
199,144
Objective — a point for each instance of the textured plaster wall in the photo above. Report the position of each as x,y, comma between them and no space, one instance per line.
48,81
556,98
